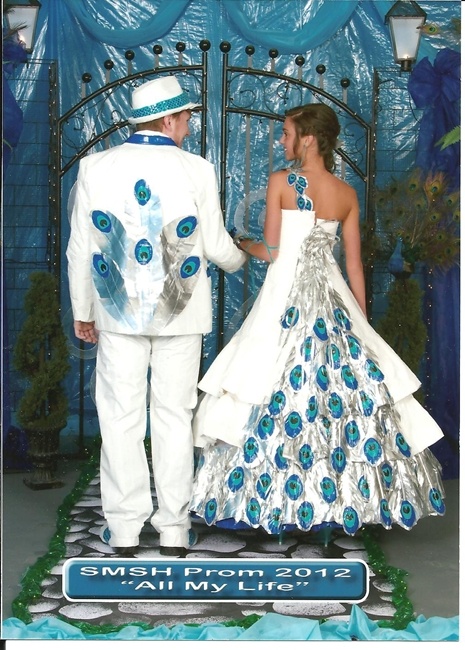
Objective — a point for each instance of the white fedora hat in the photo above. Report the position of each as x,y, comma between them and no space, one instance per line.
158,98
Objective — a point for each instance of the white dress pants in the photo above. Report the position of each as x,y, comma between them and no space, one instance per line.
123,362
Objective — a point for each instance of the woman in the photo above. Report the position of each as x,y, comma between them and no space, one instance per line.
308,418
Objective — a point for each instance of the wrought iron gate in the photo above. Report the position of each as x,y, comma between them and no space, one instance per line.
252,108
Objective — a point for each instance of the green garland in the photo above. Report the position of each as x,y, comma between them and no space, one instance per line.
35,575
376,558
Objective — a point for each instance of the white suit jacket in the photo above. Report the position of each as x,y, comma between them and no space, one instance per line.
145,222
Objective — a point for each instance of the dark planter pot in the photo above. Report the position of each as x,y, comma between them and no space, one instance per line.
43,450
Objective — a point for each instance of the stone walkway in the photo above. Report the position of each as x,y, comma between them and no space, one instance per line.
82,541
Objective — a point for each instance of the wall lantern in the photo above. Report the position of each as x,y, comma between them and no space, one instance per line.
405,22
21,16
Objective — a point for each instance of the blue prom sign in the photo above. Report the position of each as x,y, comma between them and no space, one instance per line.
90,579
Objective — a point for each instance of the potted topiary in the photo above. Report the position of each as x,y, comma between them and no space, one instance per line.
41,355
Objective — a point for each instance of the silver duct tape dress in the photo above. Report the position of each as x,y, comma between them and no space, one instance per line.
308,416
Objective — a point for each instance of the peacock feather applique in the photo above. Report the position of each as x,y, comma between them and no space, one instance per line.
108,267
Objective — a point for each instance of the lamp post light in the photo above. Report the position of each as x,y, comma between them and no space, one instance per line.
21,17
405,21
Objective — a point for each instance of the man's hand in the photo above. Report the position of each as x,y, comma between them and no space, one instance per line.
85,331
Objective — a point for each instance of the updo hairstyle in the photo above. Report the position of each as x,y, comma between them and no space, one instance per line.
321,121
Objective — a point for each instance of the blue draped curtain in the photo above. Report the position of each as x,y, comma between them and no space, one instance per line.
435,88
356,38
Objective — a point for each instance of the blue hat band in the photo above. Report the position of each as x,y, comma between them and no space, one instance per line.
160,107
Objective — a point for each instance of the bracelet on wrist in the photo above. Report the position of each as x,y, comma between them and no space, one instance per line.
238,239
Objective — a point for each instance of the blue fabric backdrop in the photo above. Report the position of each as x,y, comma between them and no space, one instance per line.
348,36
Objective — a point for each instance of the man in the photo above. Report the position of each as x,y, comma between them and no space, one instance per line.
146,219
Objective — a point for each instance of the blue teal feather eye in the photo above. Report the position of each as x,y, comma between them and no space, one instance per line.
436,501
312,410
338,460
186,227
386,474
265,427
253,510
350,520
372,450
352,433
250,450
293,424
320,329
143,251
290,317
349,378
142,192
277,403
407,514
293,487
301,184
274,521
281,462
367,403
211,508
101,221
305,515
302,202
297,377
322,378
189,267
291,178
101,265
306,456
402,445
342,318
333,356
328,489
373,371
335,405
326,426
263,485
306,348
236,479
354,347
385,513
364,488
